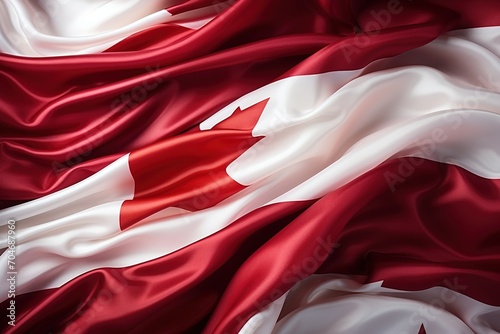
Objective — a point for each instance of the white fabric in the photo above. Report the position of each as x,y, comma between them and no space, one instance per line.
338,304
113,183
333,102
265,320
70,27
345,130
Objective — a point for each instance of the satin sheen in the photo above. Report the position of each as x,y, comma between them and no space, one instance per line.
335,304
203,159
228,277
57,234
64,118
62,27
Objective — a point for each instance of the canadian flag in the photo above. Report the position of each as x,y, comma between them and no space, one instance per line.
250,167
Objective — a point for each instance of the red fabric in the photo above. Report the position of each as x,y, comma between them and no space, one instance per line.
64,118
189,171
398,237
218,283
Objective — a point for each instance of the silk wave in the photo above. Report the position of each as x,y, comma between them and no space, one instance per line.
86,116
340,304
363,230
59,28
67,236
430,127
